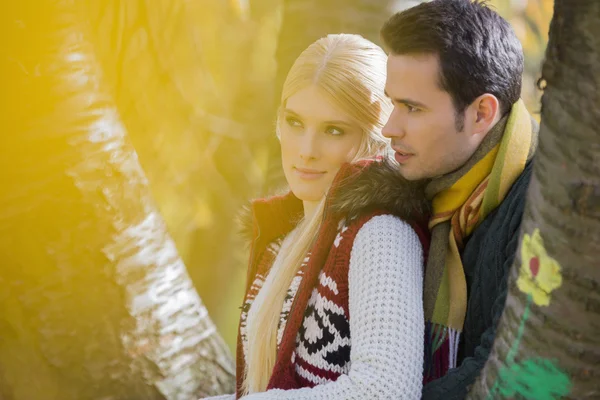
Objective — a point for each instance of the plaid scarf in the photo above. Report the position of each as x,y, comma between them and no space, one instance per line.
461,200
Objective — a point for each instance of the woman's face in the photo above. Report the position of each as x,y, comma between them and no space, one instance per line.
316,139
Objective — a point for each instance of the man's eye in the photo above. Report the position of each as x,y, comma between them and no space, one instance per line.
411,109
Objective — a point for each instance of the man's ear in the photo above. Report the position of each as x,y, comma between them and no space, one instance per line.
486,112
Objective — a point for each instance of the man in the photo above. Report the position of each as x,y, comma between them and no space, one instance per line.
454,77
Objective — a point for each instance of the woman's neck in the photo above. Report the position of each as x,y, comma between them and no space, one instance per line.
310,207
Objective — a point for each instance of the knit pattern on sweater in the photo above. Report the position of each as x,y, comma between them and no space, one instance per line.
374,271
323,340
269,258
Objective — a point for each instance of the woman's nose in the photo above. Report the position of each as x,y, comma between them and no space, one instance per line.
309,145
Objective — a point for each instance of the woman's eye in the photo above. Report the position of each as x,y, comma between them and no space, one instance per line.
334,130
293,122
411,109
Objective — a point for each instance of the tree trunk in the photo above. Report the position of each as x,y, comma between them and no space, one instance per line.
548,346
189,79
95,302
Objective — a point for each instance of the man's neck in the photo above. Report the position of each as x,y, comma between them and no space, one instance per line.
492,138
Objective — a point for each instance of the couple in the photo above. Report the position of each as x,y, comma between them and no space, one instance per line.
385,279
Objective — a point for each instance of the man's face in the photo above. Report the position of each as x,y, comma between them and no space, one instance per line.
422,125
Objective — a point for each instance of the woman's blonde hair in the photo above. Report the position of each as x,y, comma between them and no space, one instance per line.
351,71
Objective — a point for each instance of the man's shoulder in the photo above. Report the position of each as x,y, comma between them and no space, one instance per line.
504,221
515,199
511,208
519,188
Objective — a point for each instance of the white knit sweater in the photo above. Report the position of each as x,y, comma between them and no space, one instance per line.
386,325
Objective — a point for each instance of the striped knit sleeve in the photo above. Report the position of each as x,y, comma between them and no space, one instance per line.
386,318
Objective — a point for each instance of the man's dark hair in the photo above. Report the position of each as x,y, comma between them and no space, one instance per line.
477,49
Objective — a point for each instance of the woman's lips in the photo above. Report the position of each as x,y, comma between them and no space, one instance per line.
308,174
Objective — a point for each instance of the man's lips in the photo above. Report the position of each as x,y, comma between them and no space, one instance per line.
402,156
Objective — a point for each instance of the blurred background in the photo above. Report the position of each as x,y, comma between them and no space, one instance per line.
204,134
195,86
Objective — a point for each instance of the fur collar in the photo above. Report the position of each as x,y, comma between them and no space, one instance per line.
357,189
380,186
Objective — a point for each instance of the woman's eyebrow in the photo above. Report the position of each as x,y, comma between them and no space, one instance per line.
288,111
332,122
338,122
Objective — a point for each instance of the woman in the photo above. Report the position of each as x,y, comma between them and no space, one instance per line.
333,308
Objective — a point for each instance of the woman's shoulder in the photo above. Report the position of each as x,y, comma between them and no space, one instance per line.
376,226
380,229
387,247
385,223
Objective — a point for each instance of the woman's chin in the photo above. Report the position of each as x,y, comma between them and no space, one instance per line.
307,194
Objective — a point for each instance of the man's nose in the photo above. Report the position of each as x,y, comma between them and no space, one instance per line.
394,126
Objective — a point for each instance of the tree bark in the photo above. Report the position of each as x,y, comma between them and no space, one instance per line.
187,78
554,352
95,302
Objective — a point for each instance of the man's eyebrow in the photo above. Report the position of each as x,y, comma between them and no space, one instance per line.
408,102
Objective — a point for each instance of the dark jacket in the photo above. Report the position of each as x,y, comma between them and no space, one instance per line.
487,258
